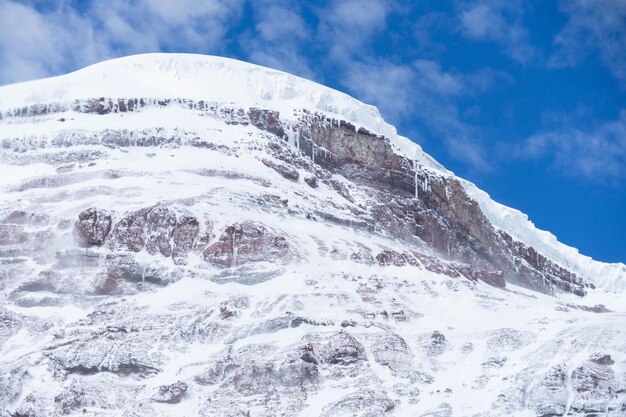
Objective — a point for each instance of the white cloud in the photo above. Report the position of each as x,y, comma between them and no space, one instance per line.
138,25
432,78
498,21
279,37
593,25
347,26
598,154
38,42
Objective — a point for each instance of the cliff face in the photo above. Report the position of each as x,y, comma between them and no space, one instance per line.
407,201
166,255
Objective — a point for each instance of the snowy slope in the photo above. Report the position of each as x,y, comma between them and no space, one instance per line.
177,248
201,77
225,80
608,276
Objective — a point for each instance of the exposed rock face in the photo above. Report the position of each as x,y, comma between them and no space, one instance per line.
160,230
248,242
443,215
184,237
93,226
129,232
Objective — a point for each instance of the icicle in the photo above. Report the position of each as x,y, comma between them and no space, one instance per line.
415,167
415,171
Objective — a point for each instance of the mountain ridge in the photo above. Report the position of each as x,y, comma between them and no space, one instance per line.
167,256
246,85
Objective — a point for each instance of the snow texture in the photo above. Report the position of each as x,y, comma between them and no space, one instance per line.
192,259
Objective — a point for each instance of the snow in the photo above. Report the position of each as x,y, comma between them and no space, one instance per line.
202,77
610,277
224,80
317,286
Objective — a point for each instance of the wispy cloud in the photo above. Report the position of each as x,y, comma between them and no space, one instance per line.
347,26
593,25
498,21
278,37
597,154
143,24
38,42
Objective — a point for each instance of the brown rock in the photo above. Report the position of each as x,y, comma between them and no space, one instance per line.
284,170
248,242
93,227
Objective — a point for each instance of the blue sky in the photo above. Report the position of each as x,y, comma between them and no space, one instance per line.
526,99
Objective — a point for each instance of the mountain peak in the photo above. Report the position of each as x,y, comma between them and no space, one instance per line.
237,84
190,235
202,77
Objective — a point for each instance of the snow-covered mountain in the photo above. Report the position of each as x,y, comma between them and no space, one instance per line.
187,235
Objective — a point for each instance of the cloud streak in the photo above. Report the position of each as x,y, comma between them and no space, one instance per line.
593,25
40,42
278,37
499,21
598,154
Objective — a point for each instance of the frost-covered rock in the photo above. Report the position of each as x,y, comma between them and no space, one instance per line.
170,394
506,340
160,229
93,226
248,242
362,404
392,351
342,349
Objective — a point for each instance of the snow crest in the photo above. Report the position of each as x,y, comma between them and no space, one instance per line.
225,80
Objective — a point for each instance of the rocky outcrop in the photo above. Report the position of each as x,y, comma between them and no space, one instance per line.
367,403
160,230
93,227
415,203
11,234
173,233
411,202
284,170
588,389
342,349
170,394
392,351
248,242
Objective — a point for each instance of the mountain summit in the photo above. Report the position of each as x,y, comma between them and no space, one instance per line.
195,235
